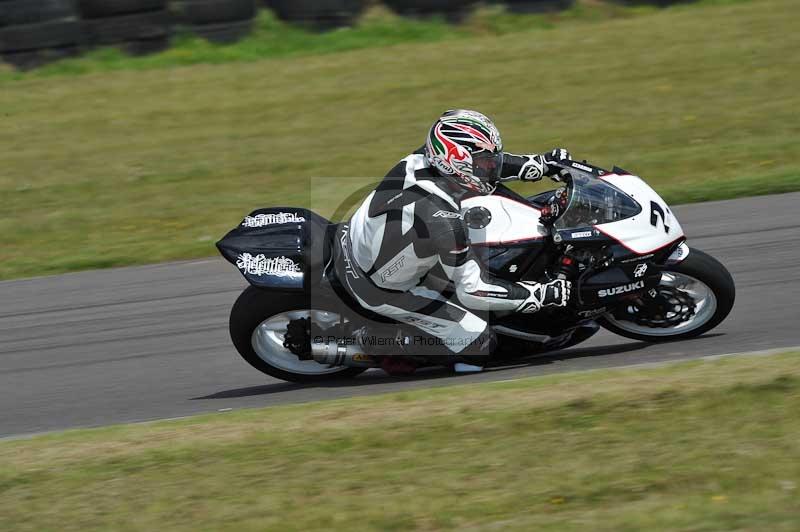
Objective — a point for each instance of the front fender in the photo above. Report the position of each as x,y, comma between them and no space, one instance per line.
679,253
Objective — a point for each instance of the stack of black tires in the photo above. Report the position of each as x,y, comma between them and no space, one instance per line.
453,10
657,3
33,32
318,14
537,6
138,26
220,21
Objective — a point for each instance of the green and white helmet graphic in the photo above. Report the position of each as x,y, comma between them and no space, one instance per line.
466,147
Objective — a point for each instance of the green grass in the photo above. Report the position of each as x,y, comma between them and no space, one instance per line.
378,27
142,165
694,446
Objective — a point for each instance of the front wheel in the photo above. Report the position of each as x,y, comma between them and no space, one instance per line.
694,296
258,326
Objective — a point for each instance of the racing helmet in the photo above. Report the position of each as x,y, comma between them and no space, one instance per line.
465,147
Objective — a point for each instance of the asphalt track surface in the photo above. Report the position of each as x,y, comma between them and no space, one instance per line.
143,343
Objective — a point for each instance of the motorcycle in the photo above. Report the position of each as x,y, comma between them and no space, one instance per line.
606,231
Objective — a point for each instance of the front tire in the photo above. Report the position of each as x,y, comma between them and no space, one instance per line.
711,288
256,327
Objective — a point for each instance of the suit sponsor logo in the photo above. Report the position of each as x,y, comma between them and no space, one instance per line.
533,171
276,218
592,313
617,290
530,308
446,214
348,263
394,198
486,293
393,268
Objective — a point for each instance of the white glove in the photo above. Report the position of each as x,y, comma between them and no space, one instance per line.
559,156
537,167
534,169
553,294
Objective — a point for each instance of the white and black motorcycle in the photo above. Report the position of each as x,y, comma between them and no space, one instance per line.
608,232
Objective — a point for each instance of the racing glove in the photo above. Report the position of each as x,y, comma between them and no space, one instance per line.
537,167
553,294
559,156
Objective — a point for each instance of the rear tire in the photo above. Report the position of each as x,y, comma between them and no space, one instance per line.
57,34
113,8
254,307
35,58
19,12
199,12
318,14
223,33
137,27
701,267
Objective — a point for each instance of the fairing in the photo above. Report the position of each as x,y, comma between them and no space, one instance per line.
279,248
654,228
509,222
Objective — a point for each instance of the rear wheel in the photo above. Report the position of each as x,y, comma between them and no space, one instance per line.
258,325
694,296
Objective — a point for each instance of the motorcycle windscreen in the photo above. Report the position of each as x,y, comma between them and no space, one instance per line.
593,202
269,247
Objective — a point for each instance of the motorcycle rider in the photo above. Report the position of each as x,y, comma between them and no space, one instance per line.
412,223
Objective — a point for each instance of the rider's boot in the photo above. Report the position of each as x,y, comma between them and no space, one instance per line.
475,356
463,367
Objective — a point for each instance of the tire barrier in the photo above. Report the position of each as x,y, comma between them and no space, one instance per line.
219,21
18,12
137,26
656,3
537,6
113,8
453,10
318,14
35,32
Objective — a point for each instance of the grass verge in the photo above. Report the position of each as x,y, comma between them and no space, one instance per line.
378,27
138,166
703,446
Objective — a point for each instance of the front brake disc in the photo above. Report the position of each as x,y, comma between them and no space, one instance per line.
668,308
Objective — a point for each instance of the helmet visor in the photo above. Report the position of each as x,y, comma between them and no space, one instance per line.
487,166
